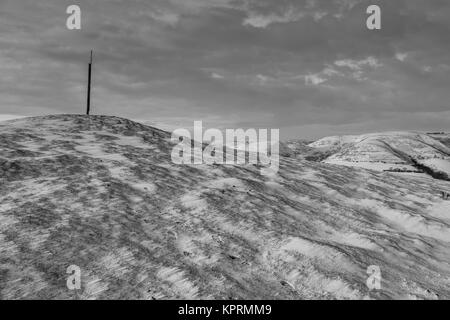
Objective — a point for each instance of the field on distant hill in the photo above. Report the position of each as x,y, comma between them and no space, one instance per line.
390,151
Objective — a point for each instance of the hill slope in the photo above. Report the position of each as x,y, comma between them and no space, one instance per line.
102,193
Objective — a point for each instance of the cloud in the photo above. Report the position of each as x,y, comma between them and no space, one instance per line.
314,79
401,56
357,65
289,64
217,76
165,17
262,21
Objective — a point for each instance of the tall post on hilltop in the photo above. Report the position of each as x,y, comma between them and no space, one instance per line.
88,109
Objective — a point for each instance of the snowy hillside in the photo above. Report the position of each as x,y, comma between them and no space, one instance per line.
442,137
102,193
389,151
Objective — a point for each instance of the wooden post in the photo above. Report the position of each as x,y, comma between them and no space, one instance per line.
88,109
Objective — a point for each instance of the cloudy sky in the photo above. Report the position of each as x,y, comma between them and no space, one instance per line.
308,67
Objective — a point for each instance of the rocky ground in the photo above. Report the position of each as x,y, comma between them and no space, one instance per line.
102,193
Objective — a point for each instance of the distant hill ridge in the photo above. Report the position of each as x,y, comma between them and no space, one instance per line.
390,151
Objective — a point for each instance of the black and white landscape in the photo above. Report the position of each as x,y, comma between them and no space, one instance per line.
363,184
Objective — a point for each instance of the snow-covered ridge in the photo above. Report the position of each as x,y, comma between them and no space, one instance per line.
102,193
389,151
